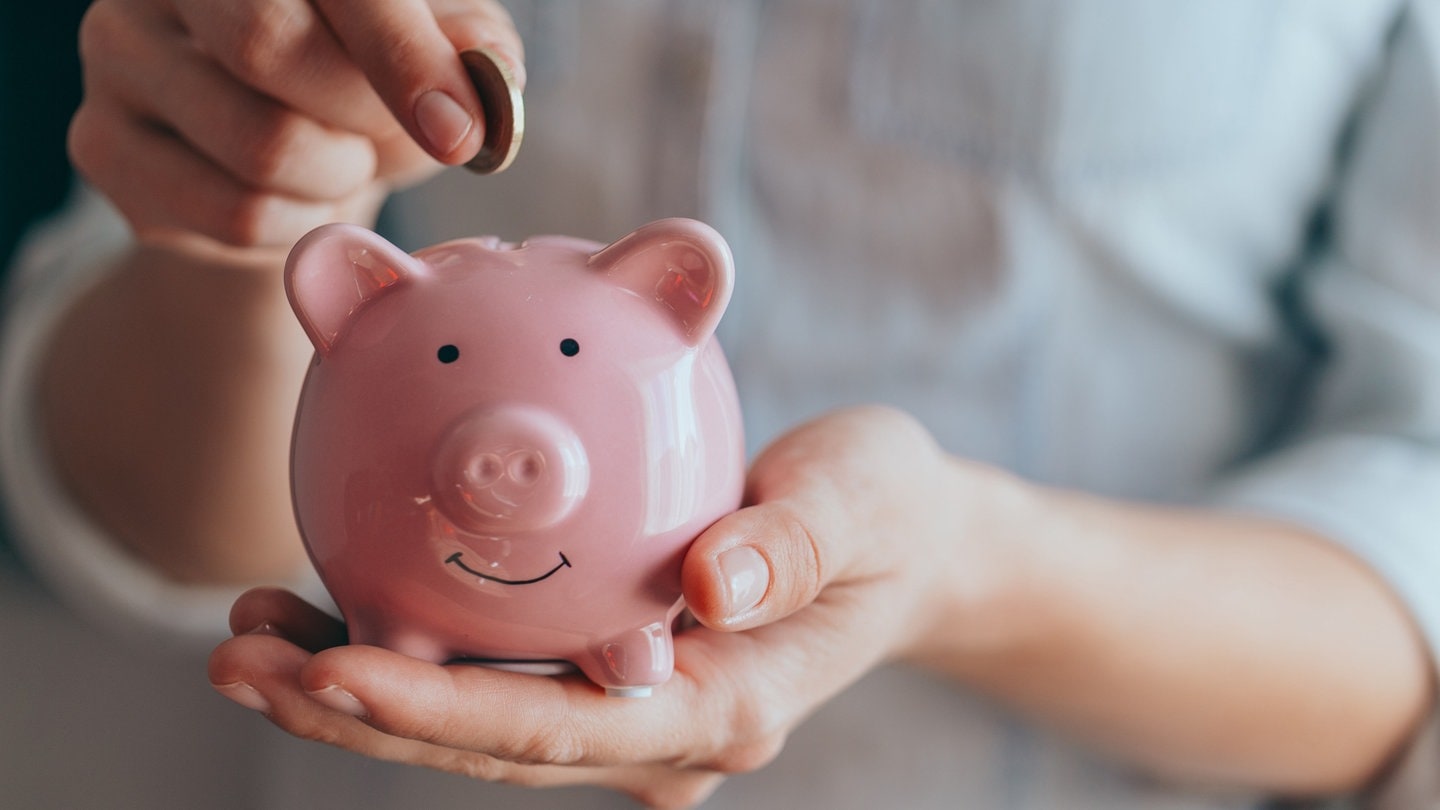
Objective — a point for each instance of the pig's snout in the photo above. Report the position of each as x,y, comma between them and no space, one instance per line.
510,470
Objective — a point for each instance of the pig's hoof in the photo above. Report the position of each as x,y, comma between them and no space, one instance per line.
629,691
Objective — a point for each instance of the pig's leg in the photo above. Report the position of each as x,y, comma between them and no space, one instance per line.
383,634
634,662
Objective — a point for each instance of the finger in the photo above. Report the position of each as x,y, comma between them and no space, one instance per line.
663,788
416,70
262,673
285,50
276,611
260,142
821,512
402,162
526,719
161,186
728,709
754,567
774,557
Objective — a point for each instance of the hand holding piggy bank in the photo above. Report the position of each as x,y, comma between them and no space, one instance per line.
503,451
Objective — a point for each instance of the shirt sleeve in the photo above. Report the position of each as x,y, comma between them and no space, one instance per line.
1363,467
67,551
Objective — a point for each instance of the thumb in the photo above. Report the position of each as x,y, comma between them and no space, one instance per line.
410,57
755,566
821,505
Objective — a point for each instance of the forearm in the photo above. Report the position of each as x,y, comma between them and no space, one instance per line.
1202,646
168,394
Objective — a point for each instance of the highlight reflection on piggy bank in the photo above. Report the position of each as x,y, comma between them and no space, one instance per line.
503,451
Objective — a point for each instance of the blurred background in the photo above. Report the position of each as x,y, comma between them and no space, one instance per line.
39,89
64,706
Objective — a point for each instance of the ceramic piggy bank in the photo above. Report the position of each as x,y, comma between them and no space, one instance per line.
503,451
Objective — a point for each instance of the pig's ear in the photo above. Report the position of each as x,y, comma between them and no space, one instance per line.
682,265
335,270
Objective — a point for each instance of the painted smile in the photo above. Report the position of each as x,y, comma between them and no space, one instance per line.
455,560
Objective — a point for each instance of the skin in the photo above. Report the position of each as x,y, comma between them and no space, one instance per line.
225,131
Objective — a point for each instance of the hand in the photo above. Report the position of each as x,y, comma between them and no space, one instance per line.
251,123
832,568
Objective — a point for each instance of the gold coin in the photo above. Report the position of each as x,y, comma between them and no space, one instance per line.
504,110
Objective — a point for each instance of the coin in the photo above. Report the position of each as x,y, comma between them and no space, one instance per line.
504,110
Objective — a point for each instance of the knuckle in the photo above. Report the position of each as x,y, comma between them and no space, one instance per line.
270,150
487,23
443,733
891,426
676,793
241,221
746,738
547,745
804,558
755,736
313,730
544,742
255,219
262,41
888,413
478,767
100,28
749,757
750,720
82,141
246,219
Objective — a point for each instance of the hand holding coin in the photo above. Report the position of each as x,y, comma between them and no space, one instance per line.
201,118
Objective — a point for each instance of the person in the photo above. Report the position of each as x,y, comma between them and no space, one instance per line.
1146,300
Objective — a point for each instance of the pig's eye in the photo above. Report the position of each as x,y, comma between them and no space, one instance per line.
569,347
448,353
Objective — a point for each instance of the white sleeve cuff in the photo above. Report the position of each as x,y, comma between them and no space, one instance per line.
65,549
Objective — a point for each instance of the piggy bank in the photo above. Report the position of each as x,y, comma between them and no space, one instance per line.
502,451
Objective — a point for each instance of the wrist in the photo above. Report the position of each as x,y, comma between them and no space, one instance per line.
987,595
167,394
202,295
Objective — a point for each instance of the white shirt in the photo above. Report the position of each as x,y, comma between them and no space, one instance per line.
1184,252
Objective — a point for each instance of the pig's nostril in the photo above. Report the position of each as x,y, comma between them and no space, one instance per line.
485,470
525,467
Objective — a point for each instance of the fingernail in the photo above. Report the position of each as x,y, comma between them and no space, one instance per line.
747,577
244,694
264,629
337,698
442,120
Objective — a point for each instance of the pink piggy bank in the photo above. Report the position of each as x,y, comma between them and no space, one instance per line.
503,451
